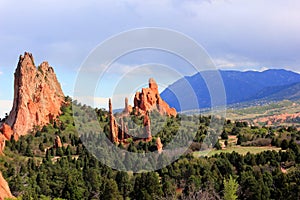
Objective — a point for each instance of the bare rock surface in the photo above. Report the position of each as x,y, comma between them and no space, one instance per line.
38,96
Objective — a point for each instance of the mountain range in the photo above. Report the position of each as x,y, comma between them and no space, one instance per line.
240,87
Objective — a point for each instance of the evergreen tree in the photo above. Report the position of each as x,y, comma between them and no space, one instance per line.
284,144
41,147
110,190
230,189
28,151
124,184
224,135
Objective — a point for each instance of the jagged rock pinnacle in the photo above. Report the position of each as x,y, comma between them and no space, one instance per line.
37,96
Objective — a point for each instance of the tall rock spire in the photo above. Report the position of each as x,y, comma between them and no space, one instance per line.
38,96
128,108
113,124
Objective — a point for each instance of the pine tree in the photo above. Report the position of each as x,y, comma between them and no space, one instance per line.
230,189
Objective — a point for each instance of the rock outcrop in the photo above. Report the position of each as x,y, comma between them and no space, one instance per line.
149,99
57,142
145,102
128,108
5,134
6,131
277,119
2,143
159,145
113,125
147,128
4,189
38,96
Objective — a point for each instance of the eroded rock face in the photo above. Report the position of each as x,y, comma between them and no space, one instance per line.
144,102
147,128
5,134
6,131
4,189
159,145
38,96
114,130
2,143
127,108
57,142
149,99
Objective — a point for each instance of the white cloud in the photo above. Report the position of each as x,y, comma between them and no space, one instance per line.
5,107
259,33
234,63
100,102
1,73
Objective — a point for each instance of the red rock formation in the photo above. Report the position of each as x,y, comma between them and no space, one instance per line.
159,145
128,108
144,102
4,189
276,119
147,128
57,142
2,143
113,125
38,96
122,129
149,99
6,131
5,134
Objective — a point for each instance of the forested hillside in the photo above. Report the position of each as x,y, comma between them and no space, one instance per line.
41,166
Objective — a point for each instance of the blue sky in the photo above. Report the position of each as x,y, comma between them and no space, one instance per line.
243,35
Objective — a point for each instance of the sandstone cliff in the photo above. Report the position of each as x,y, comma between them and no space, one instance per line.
37,96
4,189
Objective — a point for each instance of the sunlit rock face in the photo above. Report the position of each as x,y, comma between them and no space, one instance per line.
38,96
145,102
4,189
149,99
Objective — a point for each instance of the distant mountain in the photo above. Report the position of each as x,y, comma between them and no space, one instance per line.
272,84
289,92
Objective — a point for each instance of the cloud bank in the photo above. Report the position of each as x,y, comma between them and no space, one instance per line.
249,34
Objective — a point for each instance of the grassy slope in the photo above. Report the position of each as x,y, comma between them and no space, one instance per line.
238,149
